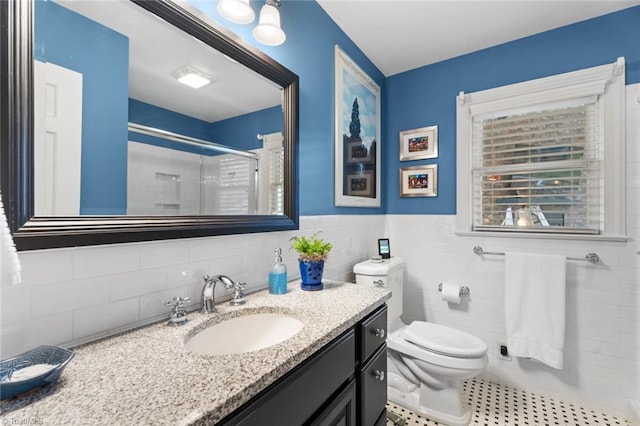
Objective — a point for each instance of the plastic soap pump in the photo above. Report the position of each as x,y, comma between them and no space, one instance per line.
278,275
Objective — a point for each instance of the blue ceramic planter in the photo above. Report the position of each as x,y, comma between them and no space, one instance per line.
311,275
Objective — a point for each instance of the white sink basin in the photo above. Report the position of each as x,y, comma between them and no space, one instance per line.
243,334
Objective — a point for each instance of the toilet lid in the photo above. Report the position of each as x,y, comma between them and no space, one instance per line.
444,340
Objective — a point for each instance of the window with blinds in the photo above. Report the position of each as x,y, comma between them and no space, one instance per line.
276,179
544,157
539,169
234,185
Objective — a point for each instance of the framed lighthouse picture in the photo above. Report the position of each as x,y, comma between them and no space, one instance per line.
357,135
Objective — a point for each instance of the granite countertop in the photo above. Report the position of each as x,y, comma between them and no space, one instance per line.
148,377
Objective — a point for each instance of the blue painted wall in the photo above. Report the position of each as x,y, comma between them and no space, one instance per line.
417,98
101,56
103,59
160,118
153,116
420,97
308,51
241,132
426,96
238,132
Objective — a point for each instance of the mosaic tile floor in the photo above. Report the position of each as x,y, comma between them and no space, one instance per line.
497,405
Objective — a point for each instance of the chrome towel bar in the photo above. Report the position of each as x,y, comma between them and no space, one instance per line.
589,257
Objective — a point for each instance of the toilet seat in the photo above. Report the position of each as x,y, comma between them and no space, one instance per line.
397,342
444,340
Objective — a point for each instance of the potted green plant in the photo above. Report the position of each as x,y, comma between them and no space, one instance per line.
312,253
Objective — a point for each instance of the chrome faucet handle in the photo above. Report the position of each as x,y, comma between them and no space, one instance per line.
238,295
227,282
178,315
177,302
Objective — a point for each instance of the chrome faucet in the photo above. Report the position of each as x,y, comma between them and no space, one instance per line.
209,288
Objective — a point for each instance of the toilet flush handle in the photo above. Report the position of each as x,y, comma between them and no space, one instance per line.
379,283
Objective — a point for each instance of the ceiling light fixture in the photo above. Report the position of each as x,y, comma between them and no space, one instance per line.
268,30
192,77
236,11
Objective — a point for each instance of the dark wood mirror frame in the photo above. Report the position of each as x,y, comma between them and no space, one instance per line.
16,148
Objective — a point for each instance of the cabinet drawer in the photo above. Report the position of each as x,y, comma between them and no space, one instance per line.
294,398
373,333
373,387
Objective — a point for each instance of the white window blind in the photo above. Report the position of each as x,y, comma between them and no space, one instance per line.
276,179
271,199
234,185
539,169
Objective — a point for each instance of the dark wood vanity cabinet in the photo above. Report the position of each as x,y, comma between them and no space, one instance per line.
343,383
372,370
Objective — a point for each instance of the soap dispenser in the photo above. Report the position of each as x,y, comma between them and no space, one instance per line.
278,275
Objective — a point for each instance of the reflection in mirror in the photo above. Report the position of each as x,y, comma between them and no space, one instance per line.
99,150
133,116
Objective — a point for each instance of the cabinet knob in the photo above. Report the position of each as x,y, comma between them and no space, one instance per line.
380,333
378,374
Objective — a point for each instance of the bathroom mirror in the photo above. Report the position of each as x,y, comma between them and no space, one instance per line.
110,210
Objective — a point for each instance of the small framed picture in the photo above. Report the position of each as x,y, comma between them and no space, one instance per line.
358,153
360,184
419,181
418,144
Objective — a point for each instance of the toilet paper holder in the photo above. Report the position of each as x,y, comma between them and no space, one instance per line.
463,290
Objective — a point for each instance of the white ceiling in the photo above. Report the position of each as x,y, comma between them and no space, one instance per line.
400,35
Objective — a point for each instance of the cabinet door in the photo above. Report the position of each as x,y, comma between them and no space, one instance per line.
382,420
341,411
373,387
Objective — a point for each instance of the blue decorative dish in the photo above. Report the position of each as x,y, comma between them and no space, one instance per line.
52,355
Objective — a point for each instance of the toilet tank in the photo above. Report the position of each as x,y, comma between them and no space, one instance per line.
387,273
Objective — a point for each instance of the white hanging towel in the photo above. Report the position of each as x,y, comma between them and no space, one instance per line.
535,294
9,261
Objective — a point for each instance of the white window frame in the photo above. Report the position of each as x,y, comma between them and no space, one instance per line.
605,81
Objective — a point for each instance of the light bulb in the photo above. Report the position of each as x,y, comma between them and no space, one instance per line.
236,11
268,30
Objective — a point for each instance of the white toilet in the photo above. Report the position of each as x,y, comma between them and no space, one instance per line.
426,363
